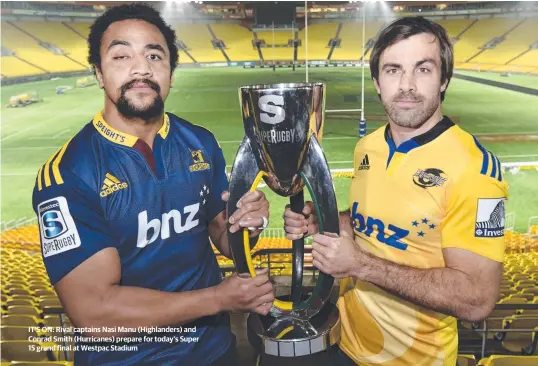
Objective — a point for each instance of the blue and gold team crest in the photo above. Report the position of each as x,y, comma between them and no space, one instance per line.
198,161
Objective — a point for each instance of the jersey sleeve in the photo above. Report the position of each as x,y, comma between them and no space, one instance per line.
219,181
71,225
475,215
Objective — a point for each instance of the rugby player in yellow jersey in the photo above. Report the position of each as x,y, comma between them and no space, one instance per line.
422,244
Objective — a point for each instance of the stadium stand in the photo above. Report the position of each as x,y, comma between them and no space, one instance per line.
82,28
514,44
511,44
319,35
28,48
197,39
351,40
276,45
72,44
455,27
237,40
13,66
481,34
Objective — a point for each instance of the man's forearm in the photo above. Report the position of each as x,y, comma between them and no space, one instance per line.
344,218
446,290
132,307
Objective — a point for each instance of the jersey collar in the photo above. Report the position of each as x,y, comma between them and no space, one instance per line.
123,138
419,140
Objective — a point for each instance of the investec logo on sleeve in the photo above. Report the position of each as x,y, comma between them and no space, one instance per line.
57,227
490,218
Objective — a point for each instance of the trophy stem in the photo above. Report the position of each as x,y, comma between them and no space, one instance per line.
297,205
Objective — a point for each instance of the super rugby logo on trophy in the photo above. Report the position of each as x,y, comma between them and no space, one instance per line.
283,128
273,114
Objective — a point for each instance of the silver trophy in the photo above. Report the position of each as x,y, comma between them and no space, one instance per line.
283,127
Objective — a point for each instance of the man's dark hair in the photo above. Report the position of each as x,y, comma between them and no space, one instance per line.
404,28
124,12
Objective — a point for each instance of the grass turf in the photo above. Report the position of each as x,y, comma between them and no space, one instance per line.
528,81
209,97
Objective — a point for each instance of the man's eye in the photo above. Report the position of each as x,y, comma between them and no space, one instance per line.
119,57
423,69
154,57
392,71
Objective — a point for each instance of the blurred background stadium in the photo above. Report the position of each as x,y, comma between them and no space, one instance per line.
49,93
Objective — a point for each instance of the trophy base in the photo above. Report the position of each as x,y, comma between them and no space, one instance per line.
292,337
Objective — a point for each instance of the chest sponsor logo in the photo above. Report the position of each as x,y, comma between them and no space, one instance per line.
111,184
57,227
490,218
430,177
179,221
198,161
390,235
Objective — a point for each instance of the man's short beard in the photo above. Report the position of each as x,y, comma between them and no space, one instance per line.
148,113
411,118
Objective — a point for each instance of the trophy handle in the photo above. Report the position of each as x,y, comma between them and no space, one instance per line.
317,178
297,205
244,173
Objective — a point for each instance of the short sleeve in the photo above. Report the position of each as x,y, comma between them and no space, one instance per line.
475,215
71,225
219,181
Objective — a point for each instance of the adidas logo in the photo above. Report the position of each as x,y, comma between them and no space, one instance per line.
365,164
111,184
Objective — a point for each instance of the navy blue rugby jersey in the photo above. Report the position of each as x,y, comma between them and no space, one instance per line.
105,188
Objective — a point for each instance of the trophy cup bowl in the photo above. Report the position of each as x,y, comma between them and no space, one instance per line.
283,128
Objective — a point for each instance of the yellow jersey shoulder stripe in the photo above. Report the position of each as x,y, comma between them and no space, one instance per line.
53,163
491,165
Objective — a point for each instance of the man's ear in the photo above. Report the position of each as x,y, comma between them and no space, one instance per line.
444,85
376,84
99,77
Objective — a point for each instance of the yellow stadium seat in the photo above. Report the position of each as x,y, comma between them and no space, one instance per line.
519,342
17,333
501,360
21,351
20,320
24,302
466,360
25,310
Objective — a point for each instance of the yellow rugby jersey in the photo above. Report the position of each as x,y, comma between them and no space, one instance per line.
438,190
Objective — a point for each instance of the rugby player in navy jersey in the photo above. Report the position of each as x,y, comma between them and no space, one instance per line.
127,208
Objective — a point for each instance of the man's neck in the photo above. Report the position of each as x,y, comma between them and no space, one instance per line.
401,134
144,130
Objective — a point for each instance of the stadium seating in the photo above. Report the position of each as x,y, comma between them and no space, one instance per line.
473,41
197,38
455,27
12,66
28,48
82,28
501,360
319,35
277,38
74,46
513,54
238,41
516,42
351,40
